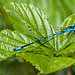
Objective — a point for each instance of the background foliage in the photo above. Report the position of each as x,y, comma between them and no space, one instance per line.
56,11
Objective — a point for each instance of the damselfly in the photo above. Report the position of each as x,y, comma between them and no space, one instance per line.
67,29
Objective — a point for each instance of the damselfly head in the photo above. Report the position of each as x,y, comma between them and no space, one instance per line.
66,28
74,24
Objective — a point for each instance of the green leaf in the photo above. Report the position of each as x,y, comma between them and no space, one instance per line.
5,17
12,39
66,46
18,25
47,64
9,40
32,17
68,49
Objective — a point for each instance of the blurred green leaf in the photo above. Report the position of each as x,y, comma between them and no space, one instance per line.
5,17
15,67
2,24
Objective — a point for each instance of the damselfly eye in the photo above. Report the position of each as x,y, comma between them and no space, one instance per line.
66,28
